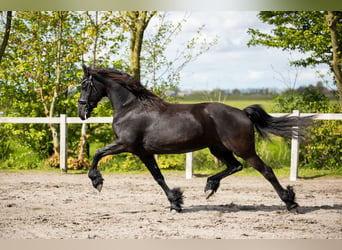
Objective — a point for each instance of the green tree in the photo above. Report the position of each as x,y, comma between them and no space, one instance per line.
313,33
37,72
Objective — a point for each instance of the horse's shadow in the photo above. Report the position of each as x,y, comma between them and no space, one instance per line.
234,208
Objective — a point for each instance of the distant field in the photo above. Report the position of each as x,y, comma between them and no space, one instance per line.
241,104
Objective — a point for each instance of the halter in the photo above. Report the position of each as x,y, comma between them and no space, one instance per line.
87,102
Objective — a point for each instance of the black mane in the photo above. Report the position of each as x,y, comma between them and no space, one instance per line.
130,83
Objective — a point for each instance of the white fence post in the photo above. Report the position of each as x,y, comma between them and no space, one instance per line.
63,143
189,165
294,151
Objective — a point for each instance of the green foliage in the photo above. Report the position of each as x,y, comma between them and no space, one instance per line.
175,161
204,160
5,146
322,148
41,69
305,31
307,100
19,156
32,83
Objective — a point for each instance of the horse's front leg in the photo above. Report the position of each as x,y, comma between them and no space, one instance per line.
94,174
175,195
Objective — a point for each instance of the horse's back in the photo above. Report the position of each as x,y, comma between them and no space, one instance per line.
227,114
216,114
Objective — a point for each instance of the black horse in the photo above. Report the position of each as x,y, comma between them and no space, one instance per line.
145,125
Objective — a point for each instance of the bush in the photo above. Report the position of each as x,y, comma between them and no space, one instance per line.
322,149
20,157
175,161
5,145
204,160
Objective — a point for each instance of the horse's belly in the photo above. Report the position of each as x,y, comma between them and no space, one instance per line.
175,137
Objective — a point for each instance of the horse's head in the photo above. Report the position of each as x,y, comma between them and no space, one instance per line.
91,93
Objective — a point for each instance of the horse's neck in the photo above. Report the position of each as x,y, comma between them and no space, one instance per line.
120,97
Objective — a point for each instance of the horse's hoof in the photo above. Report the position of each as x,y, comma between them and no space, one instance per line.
209,193
211,187
293,208
175,210
97,182
99,187
294,211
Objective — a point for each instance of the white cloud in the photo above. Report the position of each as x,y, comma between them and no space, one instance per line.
231,64
255,74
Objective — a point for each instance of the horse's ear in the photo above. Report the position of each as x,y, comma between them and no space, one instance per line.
85,70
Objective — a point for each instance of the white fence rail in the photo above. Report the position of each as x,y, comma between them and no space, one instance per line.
63,120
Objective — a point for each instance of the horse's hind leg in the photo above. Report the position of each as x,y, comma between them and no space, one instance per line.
233,166
175,195
286,195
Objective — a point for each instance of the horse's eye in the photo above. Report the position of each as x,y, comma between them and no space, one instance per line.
84,83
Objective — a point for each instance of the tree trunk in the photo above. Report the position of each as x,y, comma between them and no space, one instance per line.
57,83
6,35
332,20
137,23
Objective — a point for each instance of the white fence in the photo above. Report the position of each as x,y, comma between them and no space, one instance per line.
63,120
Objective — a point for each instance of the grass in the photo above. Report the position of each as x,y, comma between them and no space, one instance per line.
241,104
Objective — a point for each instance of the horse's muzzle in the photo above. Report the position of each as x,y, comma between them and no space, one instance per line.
85,108
83,111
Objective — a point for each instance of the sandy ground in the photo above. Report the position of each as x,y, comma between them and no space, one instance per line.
132,206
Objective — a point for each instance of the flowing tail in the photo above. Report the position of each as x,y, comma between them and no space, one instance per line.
282,126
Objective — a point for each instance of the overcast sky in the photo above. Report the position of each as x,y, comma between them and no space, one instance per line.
231,64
